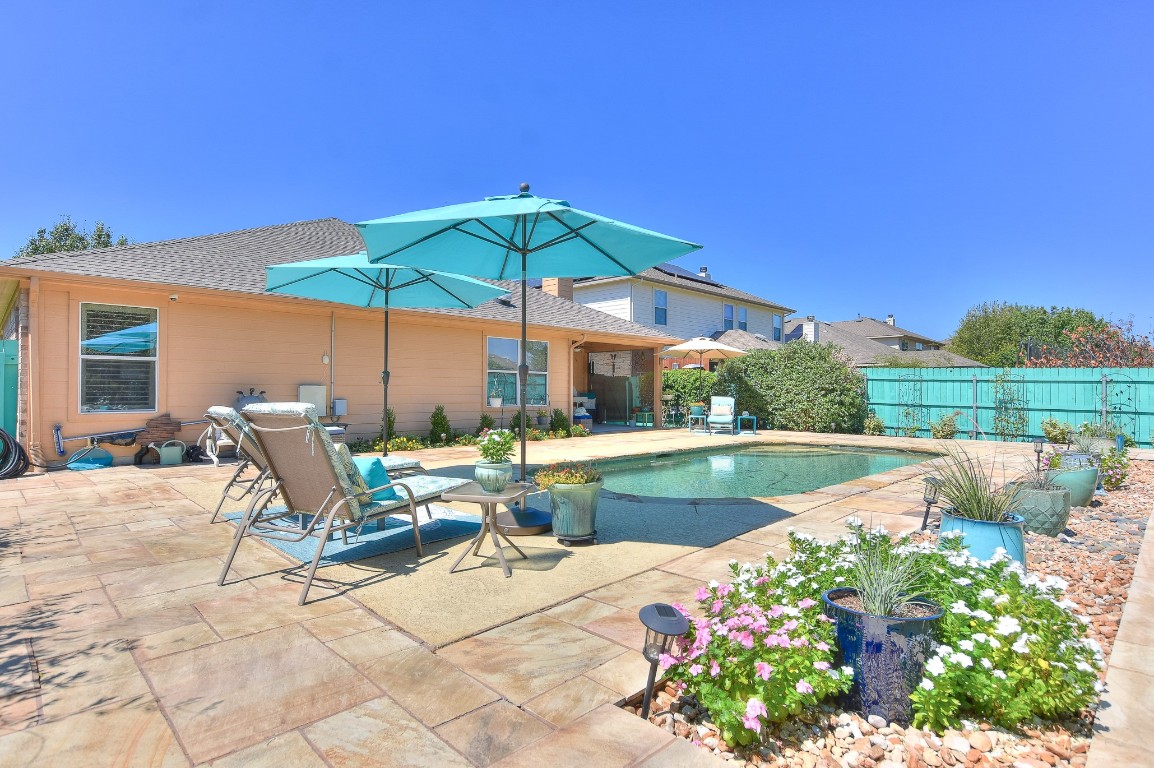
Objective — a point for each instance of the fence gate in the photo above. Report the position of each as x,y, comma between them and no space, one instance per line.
912,415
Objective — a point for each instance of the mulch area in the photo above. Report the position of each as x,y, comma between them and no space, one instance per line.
1096,555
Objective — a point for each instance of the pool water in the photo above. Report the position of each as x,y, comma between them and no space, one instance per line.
756,471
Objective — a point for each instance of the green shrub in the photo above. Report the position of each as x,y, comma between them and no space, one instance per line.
577,431
404,443
465,439
391,420
440,429
1056,432
803,386
559,422
945,428
1113,468
487,422
873,425
689,385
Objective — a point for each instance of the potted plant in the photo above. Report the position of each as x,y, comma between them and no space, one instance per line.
697,409
985,516
1042,503
542,417
573,491
495,469
1099,436
495,398
884,627
1077,472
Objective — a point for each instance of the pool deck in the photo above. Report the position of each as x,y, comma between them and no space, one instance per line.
118,648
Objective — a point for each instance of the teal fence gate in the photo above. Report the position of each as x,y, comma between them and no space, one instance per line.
908,399
8,385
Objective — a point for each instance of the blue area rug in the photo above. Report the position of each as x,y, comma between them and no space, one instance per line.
395,533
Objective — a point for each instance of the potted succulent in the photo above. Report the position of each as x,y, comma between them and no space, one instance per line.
1077,472
495,469
1042,503
884,628
573,491
495,398
542,417
985,516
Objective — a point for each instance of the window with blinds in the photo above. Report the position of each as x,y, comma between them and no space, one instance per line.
501,371
118,356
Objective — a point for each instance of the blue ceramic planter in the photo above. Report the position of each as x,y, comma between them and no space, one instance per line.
982,537
574,508
888,656
493,476
1081,481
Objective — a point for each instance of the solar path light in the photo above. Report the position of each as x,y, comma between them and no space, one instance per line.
663,624
930,497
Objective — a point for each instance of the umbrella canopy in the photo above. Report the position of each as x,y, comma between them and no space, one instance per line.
355,280
519,236
138,338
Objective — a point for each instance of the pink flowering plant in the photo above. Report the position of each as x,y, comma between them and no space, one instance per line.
761,651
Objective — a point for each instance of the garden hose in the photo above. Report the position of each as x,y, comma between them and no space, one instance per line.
14,460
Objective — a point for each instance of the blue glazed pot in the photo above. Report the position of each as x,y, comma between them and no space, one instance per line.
574,508
493,477
888,655
982,537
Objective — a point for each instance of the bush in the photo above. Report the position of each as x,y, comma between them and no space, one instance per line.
1056,432
391,421
440,429
403,443
576,431
873,425
465,439
487,422
945,428
559,422
688,385
1114,468
803,386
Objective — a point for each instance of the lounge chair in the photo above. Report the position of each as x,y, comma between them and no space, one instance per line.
322,490
721,414
227,427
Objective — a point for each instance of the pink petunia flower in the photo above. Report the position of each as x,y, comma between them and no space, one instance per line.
823,646
696,669
716,607
753,710
822,665
807,603
724,589
714,669
745,638
665,661
803,687
764,670
702,594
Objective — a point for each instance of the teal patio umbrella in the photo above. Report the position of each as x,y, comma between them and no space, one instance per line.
355,280
518,237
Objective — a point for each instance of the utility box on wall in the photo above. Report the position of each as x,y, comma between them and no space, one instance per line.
317,394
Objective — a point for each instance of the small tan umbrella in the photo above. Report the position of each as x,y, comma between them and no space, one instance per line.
704,349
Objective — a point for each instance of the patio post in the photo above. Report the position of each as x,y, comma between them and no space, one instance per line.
657,369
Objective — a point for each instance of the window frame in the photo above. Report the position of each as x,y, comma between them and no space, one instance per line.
81,409
516,378
660,307
727,315
777,327
742,318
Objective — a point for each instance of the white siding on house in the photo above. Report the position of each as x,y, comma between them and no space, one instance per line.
611,298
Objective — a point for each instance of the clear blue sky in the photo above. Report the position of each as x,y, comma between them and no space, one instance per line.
837,157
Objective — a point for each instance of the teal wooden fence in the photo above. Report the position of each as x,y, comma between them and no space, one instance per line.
915,397
8,384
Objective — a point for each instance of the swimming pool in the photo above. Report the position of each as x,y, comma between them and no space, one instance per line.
754,471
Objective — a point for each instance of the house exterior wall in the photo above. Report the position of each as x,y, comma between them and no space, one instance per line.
689,314
211,344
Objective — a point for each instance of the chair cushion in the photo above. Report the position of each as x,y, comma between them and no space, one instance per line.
424,488
722,410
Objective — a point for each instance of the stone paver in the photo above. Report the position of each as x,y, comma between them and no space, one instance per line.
123,651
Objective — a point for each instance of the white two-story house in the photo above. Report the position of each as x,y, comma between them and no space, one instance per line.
683,304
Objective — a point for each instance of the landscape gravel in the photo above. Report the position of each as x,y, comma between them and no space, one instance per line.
1096,555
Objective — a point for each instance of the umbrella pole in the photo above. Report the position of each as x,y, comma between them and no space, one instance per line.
385,383
523,368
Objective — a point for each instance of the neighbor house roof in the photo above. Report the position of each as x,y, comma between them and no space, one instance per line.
672,275
236,261
744,340
876,329
864,352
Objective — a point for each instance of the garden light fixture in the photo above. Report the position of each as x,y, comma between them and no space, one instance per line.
663,624
930,497
1039,443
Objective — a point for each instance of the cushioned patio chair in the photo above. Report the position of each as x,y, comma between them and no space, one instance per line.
225,422
321,489
721,415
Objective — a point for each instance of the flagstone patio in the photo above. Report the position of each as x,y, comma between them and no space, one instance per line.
118,648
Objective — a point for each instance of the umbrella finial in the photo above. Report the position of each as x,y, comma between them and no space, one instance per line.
524,187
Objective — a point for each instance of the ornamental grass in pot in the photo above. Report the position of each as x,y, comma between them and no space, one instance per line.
884,628
573,492
985,515
1042,503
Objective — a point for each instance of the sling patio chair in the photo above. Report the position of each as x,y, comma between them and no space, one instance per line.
226,425
321,489
721,415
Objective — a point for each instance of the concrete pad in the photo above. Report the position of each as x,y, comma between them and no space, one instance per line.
380,733
492,732
607,737
570,700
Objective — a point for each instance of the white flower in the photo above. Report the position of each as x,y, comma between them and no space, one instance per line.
1020,646
1008,625
960,607
987,594
1001,599
847,670
963,581
838,579
926,684
999,674
983,615
981,637
995,642
962,659
986,663
966,645
713,584
853,522
935,666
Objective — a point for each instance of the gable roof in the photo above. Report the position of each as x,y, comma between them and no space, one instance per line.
876,329
675,276
236,261
864,352
744,340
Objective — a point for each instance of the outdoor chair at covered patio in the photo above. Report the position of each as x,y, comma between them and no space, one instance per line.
322,490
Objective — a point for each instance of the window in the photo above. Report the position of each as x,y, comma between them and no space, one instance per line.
918,346
728,324
742,319
777,327
660,307
503,357
905,346
118,353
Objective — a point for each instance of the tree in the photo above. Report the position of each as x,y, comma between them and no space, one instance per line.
67,236
803,386
999,334
1115,346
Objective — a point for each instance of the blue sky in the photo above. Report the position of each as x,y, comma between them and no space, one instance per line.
841,158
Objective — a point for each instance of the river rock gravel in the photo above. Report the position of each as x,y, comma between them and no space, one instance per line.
1096,555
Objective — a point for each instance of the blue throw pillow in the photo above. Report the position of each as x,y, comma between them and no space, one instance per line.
374,473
